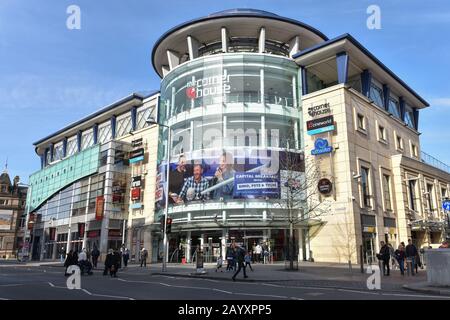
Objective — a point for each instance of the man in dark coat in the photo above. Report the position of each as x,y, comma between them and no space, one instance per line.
411,253
110,264
240,256
95,254
69,261
385,256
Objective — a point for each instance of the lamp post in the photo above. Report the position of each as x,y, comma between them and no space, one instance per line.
151,121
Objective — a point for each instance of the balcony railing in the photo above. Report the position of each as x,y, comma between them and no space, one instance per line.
432,161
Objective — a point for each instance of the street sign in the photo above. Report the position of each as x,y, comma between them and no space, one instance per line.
446,205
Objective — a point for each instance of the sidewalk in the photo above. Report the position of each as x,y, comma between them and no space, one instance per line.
424,287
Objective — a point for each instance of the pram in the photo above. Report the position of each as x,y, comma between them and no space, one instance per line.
85,267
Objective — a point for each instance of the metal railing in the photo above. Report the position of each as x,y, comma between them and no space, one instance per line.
432,161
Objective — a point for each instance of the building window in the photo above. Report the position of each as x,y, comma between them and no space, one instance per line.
104,132
87,139
399,143
444,193
3,202
409,117
123,125
71,146
387,192
412,195
143,113
382,133
365,188
430,197
394,107
376,94
58,152
414,150
361,122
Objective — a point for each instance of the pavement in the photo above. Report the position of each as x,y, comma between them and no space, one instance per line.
313,281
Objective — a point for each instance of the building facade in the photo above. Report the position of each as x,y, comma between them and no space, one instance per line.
81,198
12,217
269,134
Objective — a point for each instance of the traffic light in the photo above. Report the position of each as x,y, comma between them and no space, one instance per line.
161,224
169,225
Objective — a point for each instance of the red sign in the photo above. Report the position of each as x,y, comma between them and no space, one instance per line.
136,194
81,228
93,233
99,204
190,93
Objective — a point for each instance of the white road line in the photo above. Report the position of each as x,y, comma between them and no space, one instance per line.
3,299
296,298
51,284
87,292
11,285
357,291
218,290
272,285
261,295
105,295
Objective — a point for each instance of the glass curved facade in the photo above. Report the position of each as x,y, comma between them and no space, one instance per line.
232,118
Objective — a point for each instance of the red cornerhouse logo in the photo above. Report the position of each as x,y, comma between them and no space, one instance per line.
190,93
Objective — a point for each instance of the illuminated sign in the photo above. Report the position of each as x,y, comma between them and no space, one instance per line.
320,147
99,204
320,125
135,193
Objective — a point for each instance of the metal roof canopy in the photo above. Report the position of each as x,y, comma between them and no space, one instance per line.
362,58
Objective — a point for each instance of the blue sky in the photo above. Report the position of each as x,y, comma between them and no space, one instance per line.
51,76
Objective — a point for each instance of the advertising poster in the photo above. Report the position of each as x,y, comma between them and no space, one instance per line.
5,219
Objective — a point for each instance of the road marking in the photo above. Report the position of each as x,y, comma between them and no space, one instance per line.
105,295
261,295
11,285
272,285
51,284
218,290
296,298
3,299
358,291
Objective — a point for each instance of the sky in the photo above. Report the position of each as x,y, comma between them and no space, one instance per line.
51,76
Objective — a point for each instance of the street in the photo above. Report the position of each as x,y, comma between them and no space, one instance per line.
134,283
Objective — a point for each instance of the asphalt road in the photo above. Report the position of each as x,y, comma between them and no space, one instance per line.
48,283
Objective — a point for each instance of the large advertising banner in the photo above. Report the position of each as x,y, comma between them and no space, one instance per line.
254,184
225,177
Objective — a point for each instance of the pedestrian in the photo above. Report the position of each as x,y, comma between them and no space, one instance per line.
68,262
411,253
400,256
111,264
248,260
258,252
240,254
144,255
95,254
219,264
117,262
384,256
126,257
229,259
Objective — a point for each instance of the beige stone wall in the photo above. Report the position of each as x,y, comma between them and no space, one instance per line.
341,232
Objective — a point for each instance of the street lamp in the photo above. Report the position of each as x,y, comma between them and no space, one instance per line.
151,121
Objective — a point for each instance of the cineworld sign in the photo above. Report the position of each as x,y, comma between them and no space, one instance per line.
209,86
320,125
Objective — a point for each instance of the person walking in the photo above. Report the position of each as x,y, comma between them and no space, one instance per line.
400,256
248,260
144,255
68,262
385,256
411,253
117,262
229,259
126,257
109,263
258,252
219,264
240,254
95,254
